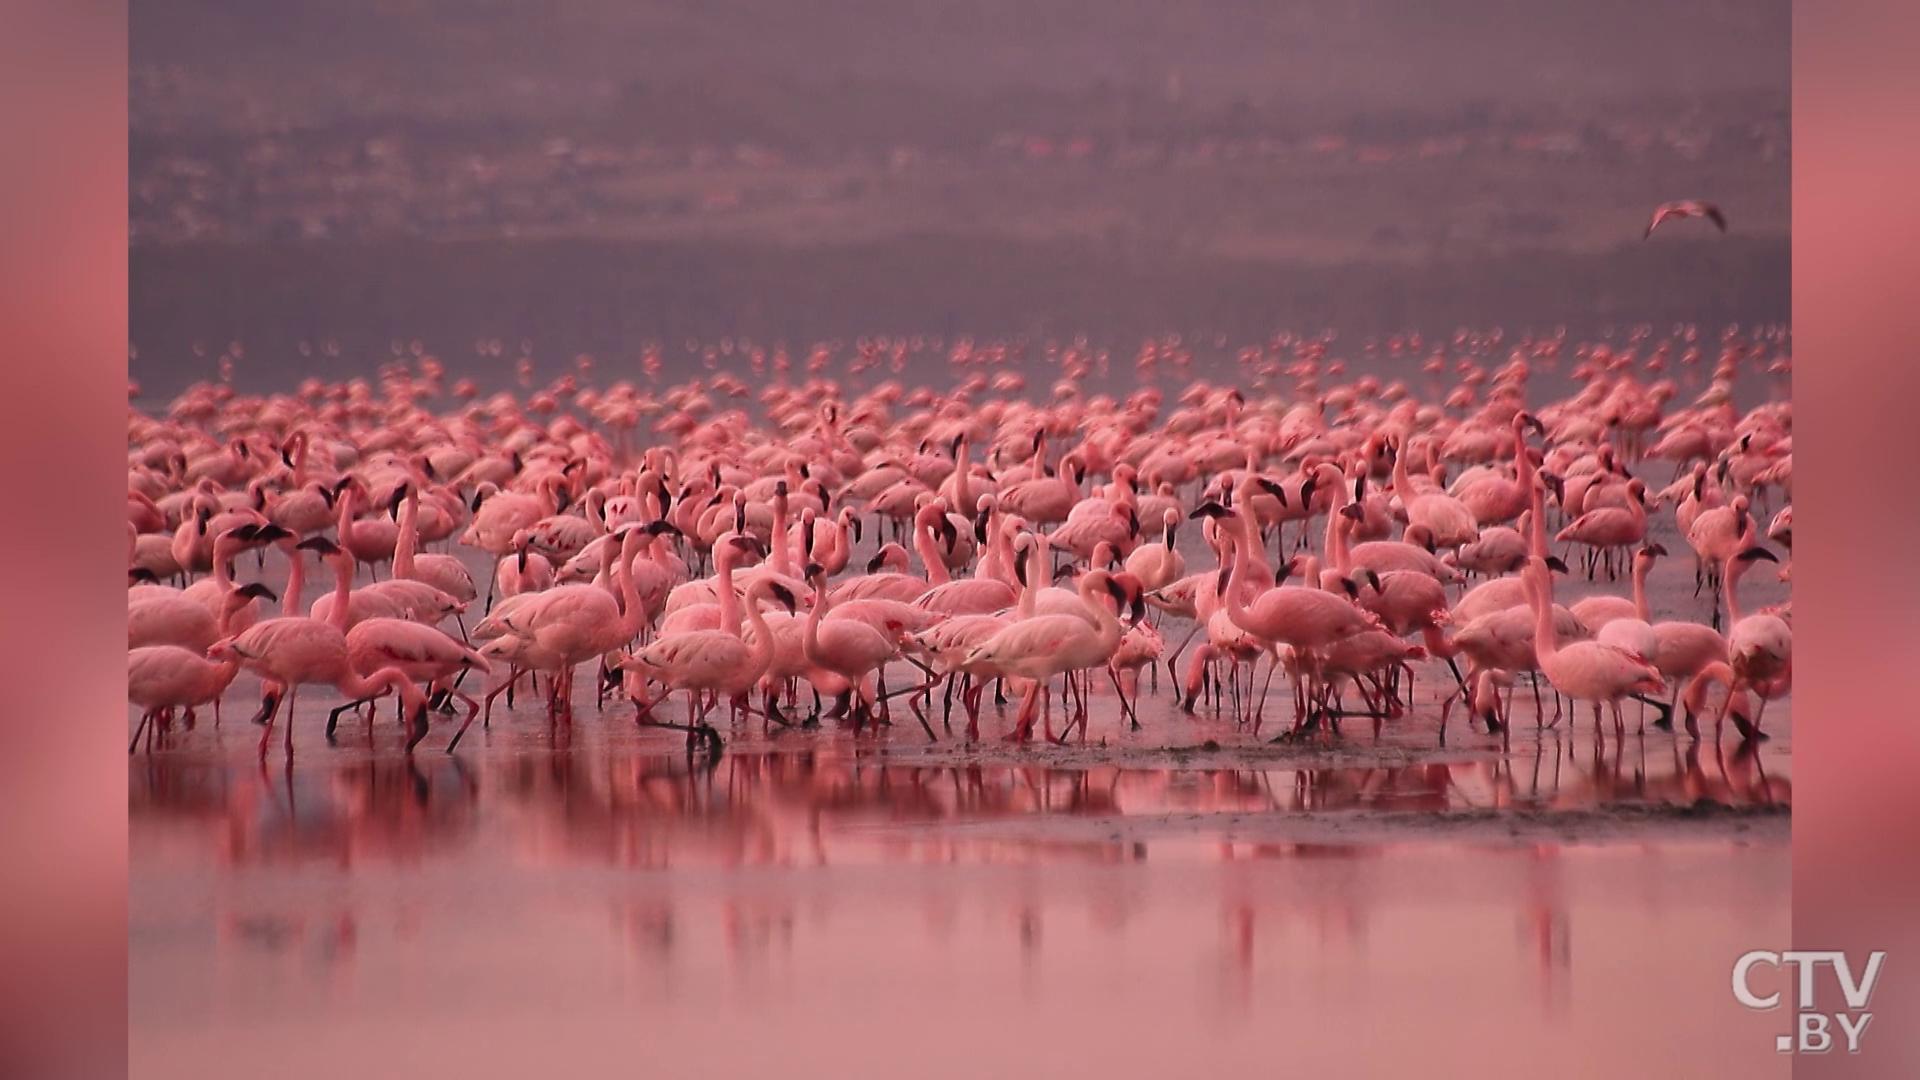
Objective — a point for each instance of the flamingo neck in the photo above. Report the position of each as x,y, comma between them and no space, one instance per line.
1236,579
962,483
347,507
723,591
1036,572
761,651
1106,623
1696,695
631,614
1544,645
1401,484
223,556
375,683
810,642
929,549
409,535
342,592
782,563
296,582
1640,605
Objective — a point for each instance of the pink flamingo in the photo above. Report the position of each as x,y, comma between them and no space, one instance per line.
426,654
850,648
702,662
1586,670
444,572
572,623
162,678
289,652
1044,646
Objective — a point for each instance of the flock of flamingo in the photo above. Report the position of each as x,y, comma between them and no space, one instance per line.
793,554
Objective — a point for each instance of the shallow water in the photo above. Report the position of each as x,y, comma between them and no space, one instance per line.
1183,898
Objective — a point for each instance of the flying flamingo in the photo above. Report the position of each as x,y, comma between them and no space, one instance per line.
1686,208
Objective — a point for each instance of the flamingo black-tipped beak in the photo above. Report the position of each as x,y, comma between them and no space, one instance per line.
319,544
814,570
1272,488
269,533
785,596
258,591
1554,563
1208,509
1753,553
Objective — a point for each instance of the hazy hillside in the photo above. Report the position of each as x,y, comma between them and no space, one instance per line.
198,62
591,174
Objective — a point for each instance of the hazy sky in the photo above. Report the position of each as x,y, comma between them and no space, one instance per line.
476,57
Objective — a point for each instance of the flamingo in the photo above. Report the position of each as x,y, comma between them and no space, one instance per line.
1039,648
569,624
293,651
700,662
1585,670
1686,208
161,678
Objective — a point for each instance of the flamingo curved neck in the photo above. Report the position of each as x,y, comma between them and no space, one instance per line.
630,613
760,653
342,592
929,551
1036,572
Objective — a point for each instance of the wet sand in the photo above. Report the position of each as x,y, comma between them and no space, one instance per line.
1181,899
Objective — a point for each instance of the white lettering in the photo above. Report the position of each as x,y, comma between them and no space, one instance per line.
1742,992
1814,1038
1857,994
1853,1031
1808,963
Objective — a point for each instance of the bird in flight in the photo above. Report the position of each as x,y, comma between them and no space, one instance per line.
1686,209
